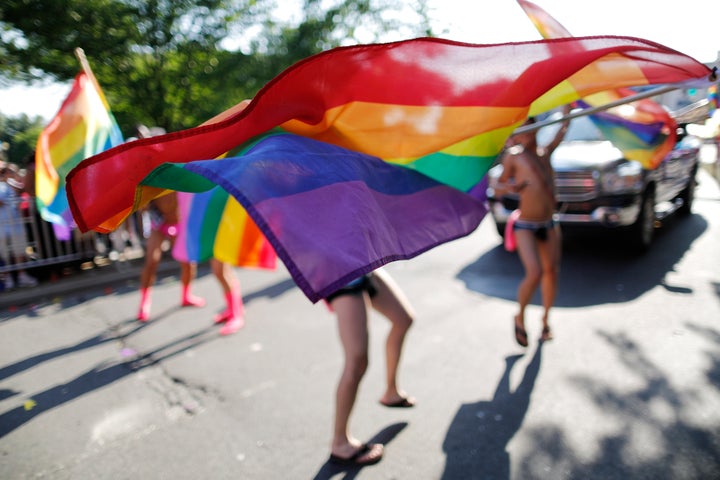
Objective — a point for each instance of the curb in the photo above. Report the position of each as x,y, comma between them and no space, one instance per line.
84,281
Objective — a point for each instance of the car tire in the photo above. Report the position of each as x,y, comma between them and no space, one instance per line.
641,232
688,196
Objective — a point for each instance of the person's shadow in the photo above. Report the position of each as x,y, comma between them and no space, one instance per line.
96,378
476,442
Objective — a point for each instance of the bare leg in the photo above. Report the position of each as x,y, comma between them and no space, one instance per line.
351,311
152,259
392,303
223,276
188,271
550,252
153,253
234,315
527,250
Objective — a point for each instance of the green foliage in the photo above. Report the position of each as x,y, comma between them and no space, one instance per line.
39,36
165,62
18,136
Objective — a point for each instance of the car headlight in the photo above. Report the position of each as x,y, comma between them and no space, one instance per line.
625,178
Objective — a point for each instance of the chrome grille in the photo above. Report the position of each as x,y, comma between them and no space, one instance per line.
575,186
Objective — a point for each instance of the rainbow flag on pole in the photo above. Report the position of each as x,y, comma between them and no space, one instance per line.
83,127
643,130
214,225
364,155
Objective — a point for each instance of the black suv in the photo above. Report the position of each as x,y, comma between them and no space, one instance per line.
598,188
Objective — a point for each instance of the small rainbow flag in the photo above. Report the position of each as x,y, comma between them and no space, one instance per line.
364,155
83,127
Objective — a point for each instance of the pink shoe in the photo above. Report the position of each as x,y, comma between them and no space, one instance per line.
233,325
144,314
234,308
193,301
223,317
145,303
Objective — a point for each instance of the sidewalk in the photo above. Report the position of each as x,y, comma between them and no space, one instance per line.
94,279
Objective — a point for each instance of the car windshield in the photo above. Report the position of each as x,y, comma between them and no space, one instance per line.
689,142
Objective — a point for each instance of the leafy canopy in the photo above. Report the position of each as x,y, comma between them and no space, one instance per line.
176,63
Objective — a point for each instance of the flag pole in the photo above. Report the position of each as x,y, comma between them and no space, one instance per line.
590,111
85,65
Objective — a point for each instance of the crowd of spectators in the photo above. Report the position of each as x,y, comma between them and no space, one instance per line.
14,219
31,251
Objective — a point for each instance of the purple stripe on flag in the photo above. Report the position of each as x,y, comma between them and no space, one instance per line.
334,214
360,230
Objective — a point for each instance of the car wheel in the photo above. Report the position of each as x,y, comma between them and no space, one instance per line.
688,196
643,230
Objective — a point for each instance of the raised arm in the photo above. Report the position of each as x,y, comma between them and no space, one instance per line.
559,135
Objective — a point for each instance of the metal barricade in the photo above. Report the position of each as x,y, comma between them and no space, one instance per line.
42,247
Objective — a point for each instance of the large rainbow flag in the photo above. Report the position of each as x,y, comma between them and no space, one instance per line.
82,127
643,130
363,155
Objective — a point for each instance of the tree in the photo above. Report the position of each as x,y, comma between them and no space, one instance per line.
150,57
18,136
166,62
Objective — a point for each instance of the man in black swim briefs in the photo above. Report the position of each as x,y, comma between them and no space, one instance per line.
528,173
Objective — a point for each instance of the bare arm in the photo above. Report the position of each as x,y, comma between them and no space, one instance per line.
506,181
559,135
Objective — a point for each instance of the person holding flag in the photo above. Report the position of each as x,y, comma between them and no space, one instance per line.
164,221
84,126
528,173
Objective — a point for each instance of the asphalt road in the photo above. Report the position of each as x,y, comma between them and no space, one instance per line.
629,388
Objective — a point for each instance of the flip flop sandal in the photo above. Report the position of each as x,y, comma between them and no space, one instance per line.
404,402
354,460
521,336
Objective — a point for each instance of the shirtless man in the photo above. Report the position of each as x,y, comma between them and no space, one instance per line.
527,171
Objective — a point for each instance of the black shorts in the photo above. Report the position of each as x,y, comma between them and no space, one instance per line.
356,287
539,229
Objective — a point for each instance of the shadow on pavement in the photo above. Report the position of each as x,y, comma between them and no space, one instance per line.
595,269
95,378
30,362
682,445
384,436
102,376
271,291
476,442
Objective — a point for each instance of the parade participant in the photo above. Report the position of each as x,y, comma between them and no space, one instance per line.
528,173
351,304
163,226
